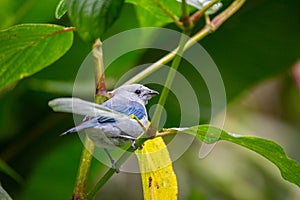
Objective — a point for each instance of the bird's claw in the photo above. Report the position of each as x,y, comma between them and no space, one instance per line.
134,147
133,144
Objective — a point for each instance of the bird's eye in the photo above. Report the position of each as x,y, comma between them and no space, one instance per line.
138,92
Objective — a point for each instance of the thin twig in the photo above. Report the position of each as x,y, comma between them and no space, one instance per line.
83,171
223,16
99,69
198,14
186,20
169,81
208,29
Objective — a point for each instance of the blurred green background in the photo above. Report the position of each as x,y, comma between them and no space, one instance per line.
255,51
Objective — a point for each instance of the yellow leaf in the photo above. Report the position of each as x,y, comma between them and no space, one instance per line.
158,177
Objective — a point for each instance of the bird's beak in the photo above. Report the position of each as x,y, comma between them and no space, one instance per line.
152,93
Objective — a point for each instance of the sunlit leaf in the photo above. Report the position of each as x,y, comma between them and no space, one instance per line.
158,177
93,17
26,49
290,169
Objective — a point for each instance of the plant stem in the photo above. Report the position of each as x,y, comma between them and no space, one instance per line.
99,69
172,72
79,192
208,29
186,20
170,78
197,15
83,171
223,16
108,174
157,113
167,58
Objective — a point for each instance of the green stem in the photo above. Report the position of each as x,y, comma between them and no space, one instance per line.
172,72
99,71
197,15
208,29
83,171
170,78
186,20
223,16
157,113
108,174
167,58
79,192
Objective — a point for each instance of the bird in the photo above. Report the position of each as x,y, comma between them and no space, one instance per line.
117,121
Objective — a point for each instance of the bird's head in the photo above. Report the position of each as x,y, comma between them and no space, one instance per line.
135,92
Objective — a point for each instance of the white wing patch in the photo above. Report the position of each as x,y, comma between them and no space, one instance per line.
82,107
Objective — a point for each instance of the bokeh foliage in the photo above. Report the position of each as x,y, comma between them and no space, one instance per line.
259,42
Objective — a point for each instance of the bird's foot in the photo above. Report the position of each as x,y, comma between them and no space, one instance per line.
114,166
113,162
133,144
134,147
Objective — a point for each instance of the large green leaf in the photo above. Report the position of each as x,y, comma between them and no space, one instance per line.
93,17
290,169
26,49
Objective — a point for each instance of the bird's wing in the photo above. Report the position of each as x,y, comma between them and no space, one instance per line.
81,107
128,108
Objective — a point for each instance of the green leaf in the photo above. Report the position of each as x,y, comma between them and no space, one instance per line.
290,169
26,49
93,17
61,9
4,195
172,6
10,171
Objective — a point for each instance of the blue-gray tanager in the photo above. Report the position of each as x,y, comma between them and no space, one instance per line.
110,124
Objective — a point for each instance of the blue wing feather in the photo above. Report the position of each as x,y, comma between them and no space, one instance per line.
130,108
105,119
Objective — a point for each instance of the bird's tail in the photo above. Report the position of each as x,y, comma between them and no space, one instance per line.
71,130
78,128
